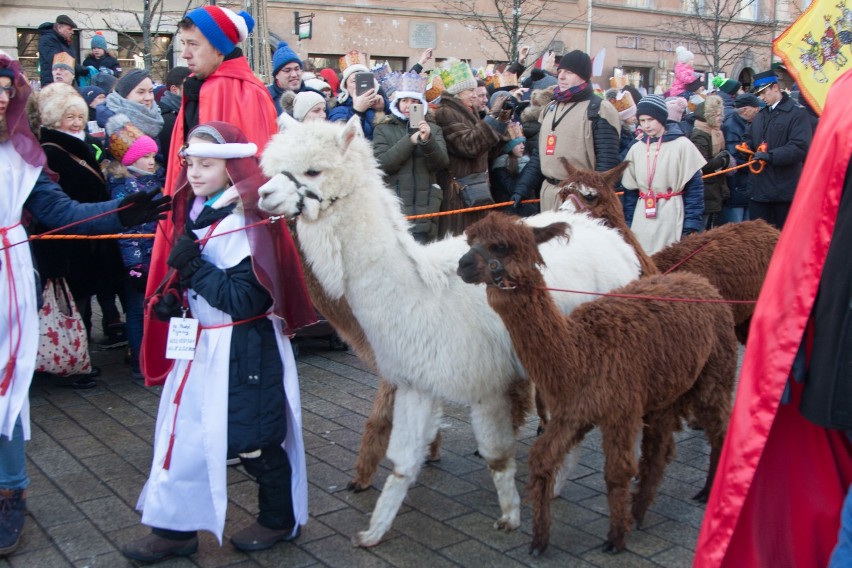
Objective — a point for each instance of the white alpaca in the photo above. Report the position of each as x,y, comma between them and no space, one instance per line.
433,336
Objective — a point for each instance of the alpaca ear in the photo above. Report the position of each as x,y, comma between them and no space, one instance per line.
570,170
286,121
544,234
351,131
613,176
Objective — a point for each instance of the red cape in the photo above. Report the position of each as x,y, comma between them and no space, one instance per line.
781,481
234,95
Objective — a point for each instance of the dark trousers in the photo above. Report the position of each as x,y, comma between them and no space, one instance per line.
773,212
273,474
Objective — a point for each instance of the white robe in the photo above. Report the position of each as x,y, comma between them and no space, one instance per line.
192,494
18,306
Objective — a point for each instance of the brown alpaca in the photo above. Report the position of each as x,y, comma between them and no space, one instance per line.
621,364
735,260
377,429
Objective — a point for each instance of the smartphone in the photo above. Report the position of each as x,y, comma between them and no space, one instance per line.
363,83
415,114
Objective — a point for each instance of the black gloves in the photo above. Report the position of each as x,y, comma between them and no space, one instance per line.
144,207
185,257
516,199
168,306
722,160
765,156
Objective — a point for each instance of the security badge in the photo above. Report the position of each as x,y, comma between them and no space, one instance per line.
651,206
550,145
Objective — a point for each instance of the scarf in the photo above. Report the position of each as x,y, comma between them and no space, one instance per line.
170,102
572,93
148,120
716,137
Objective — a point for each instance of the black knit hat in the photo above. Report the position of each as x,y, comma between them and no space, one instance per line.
731,86
129,81
578,63
653,106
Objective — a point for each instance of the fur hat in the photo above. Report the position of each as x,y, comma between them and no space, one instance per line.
578,63
624,104
711,107
653,106
677,106
731,86
130,80
457,76
99,41
305,101
223,28
683,55
126,142
55,99
284,54
64,60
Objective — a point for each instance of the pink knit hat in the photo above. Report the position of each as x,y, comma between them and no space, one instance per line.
126,142
677,106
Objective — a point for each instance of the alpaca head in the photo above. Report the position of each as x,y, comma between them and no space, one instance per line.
504,251
313,164
586,191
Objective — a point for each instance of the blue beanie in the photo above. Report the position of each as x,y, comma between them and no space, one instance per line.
99,42
655,107
284,55
223,28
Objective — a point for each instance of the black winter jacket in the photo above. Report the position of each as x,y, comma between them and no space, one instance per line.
106,64
734,129
788,133
256,399
49,44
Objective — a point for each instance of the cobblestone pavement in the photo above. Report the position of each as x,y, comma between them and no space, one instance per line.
91,450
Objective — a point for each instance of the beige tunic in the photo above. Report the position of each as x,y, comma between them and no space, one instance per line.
677,162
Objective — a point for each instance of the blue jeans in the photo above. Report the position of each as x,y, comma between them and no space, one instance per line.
734,214
842,555
13,462
134,302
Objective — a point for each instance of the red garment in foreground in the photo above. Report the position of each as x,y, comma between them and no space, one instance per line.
234,95
779,490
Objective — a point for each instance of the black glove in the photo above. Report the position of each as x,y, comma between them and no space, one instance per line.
687,231
516,200
185,257
722,160
144,207
765,156
168,306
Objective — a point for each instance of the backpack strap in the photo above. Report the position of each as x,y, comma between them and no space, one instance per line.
594,108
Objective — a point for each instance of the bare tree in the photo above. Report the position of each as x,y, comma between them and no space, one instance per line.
511,24
722,30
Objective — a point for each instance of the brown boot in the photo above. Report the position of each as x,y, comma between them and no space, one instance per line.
258,537
152,548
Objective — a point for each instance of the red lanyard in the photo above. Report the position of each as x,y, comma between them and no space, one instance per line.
652,168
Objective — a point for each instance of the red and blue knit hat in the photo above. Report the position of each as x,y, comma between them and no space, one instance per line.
223,28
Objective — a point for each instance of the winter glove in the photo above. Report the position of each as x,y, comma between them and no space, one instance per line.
168,306
185,257
144,207
516,200
764,156
722,160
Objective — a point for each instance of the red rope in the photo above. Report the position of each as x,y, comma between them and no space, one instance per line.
653,298
12,362
687,257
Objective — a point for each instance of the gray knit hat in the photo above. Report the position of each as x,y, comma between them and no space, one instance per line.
129,81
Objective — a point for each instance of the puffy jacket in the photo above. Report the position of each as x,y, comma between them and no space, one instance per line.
344,111
734,129
49,44
787,132
106,64
410,170
121,183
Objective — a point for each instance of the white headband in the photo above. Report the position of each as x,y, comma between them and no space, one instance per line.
224,151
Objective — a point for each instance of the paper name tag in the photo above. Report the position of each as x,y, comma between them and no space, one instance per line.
650,208
180,343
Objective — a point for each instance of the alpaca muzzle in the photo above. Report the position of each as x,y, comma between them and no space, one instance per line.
495,268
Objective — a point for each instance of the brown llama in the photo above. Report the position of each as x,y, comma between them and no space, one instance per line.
733,257
617,363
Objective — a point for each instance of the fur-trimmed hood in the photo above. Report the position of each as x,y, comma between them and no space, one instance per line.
539,99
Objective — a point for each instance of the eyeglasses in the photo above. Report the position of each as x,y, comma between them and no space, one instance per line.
10,91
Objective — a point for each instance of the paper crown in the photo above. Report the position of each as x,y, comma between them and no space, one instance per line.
408,83
381,71
502,80
354,57
64,59
623,101
457,76
434,87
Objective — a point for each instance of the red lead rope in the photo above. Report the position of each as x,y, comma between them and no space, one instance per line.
14,344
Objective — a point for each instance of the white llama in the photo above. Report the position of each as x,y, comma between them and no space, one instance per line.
433,336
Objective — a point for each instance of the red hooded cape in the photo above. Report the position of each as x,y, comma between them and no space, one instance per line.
781,482
234,95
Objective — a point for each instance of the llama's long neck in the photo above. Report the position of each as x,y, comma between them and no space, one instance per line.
540,333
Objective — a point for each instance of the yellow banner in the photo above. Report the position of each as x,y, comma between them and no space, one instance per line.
817,48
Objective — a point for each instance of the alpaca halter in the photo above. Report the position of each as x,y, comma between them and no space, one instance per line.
304,191
498,272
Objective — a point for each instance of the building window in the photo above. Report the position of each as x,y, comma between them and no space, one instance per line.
638,3
129,53
749,9
28,52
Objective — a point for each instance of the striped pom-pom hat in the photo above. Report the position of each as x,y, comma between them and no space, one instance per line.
223,28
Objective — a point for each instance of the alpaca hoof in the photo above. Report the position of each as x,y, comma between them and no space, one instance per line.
535,552
433,459
357,487
611,547
477,454
363,540
540,430
702,495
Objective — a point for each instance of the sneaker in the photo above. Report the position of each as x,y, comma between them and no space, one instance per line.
153,548
112,342
258,537
137,375
13,507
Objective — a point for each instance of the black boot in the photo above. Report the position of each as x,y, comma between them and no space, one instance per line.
13,508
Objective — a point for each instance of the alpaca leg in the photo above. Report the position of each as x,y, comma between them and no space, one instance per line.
569,463
434,433
541,410
546,456
492,426
657,443
412,414
374,441
619,468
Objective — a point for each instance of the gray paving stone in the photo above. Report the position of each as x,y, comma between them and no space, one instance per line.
79,540
336,551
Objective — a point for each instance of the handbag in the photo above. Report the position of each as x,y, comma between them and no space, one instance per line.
474,190
63,345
